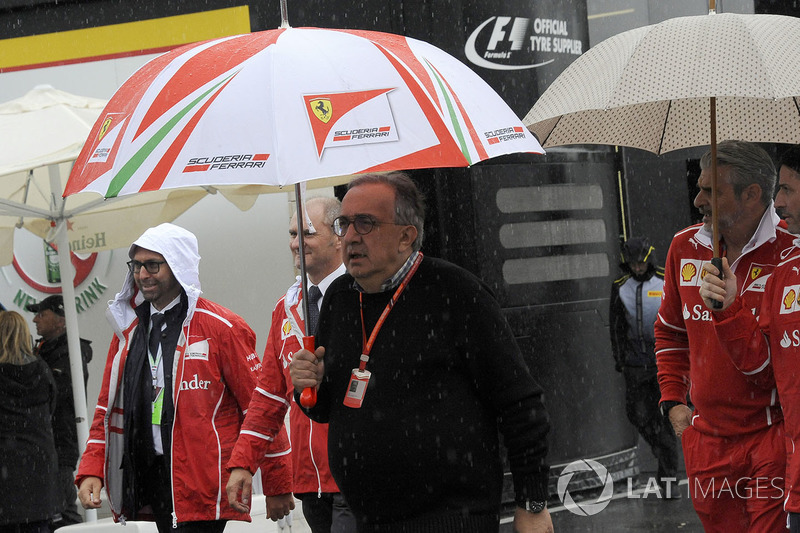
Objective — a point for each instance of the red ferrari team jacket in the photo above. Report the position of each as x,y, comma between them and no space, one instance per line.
768,348
690,357
273,395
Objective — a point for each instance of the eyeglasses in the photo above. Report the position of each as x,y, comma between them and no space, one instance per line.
363,224
152,267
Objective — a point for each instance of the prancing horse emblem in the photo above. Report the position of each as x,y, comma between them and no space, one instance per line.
322,109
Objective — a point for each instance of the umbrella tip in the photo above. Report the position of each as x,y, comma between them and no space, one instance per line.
284,16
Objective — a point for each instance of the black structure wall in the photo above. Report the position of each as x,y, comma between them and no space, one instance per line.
542,231
550,264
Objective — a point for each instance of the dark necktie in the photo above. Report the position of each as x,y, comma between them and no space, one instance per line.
156,328
314,294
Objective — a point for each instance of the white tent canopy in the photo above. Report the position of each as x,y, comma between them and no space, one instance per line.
42,133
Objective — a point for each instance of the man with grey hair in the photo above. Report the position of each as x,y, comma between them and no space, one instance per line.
324,508
417,370
766,345
733,440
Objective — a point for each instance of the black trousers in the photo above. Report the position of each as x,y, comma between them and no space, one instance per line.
327,513
160,489
641,404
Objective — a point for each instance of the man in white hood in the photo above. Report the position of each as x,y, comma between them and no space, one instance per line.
174,394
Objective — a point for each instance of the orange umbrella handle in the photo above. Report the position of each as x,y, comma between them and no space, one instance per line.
308,398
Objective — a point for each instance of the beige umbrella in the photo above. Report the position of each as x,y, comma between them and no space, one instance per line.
688,81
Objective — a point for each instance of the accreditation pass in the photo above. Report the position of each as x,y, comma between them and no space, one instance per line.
357,387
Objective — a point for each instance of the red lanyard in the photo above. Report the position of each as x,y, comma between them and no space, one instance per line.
367,344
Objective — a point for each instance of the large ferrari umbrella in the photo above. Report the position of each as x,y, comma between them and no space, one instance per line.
286,106
688,81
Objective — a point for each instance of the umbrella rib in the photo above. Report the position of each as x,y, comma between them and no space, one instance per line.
91,205
664,129
550,133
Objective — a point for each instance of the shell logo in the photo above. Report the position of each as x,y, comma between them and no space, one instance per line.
286,329
789,299
688,272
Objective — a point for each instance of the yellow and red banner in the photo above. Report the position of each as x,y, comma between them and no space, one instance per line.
121,40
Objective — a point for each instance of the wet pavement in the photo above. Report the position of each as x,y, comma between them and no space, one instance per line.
634,507
632,512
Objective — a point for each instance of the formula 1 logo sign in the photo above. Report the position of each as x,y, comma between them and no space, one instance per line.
515,43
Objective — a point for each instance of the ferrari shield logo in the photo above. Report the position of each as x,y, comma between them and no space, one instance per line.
104,128
755,272
322,109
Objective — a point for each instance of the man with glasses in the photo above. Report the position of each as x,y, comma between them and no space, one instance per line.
416,371
323,506
51,326
179,377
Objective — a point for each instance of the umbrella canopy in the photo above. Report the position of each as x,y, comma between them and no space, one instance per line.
283,106
286,106
688,81
650,87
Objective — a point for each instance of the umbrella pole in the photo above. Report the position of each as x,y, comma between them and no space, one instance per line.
73,333
714,219
716,260
308,398
284,17
298,198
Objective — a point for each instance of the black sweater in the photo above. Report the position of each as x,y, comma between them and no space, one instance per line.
422,453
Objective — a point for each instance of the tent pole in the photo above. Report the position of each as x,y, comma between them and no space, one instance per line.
73,334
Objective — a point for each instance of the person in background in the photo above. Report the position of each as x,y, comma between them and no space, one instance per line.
734,437
28,461
767,346
324,507
635,298
417,373
52,346
179,377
